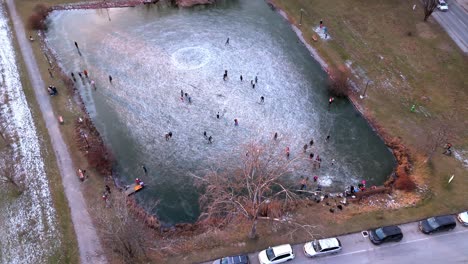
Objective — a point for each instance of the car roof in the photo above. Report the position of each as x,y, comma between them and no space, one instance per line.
241,259
282,249
445,219
391,230
329,242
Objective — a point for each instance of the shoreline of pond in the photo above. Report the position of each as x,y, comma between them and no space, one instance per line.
399,151
151,220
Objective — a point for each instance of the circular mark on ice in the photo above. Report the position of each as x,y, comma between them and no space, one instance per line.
190,58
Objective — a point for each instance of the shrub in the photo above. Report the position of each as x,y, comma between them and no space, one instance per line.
405,184
338,82
37,21
404,181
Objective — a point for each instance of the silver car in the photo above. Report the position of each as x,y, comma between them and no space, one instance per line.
322,247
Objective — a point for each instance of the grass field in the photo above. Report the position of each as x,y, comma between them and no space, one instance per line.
409,62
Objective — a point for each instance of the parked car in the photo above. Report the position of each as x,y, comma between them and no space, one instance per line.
385,234
437,223
463,218
241,259
322,247
274,255
442,5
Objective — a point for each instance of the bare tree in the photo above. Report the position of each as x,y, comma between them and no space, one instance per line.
339,81
257,190
121,231
10,173
429,7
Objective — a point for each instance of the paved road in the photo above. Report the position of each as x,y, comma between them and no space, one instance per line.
416,247
455,22
88,241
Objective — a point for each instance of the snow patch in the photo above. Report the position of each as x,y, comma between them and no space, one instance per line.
462,156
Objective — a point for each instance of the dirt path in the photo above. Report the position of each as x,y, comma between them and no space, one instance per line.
88,241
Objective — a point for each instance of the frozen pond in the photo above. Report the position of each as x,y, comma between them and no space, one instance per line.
154,53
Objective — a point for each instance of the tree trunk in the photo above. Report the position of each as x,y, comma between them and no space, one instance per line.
253,230
426,16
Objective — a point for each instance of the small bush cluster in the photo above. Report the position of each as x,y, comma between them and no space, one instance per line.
403,179
338,85
404,182
37,21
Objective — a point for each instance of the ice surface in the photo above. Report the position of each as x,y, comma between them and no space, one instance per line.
153,54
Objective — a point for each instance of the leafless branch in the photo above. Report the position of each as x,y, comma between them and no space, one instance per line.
258,188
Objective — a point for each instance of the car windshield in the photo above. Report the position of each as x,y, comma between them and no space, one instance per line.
433,223
380,233
316,245
443,4
270,254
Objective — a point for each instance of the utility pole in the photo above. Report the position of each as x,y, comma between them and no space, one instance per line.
365,89
300,20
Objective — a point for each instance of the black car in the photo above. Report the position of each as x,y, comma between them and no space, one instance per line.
242,259
385,234
437,223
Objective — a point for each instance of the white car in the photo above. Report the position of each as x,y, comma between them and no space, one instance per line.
463,218
274,255
442,5
322,247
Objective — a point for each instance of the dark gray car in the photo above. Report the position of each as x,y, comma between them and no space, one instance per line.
385,234
437,223
242,259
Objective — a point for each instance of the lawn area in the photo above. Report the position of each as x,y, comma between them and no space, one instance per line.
409,62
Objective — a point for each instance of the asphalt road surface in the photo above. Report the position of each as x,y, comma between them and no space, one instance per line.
415,247
455,22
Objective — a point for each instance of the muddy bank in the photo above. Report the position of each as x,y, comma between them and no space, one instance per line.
400,176
130,3
98,5
190,3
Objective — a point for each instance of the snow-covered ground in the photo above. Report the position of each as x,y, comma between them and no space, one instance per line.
28,223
